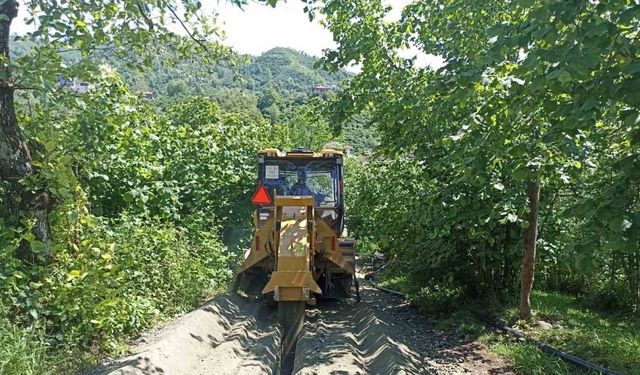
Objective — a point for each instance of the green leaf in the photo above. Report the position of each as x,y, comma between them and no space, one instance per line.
554,74
632,119
73,274
34,313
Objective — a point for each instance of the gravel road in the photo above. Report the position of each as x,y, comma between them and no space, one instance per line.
380,335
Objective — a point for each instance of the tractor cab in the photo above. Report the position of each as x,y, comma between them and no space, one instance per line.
302,173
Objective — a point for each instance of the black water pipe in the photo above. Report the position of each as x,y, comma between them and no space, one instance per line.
546,348
503,327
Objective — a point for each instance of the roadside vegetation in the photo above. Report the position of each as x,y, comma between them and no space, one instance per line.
151,210
604,337
513,159
143,203
148,195
568,323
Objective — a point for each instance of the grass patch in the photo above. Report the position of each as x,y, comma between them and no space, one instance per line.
528,360
22,351
607,340
27,351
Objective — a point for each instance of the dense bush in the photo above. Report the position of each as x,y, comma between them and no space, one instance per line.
396,205
146,207
113,277
447,234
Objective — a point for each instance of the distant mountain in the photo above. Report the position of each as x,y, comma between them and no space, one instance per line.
291,74
273,84
288,71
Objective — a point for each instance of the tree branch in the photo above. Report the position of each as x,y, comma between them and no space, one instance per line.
186,29
145,16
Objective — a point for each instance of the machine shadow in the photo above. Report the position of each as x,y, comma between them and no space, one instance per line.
251,324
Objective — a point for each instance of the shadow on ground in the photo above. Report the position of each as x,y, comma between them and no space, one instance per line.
227,335
384,335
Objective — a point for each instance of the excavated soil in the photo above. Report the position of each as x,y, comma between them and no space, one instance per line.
228,335
382,334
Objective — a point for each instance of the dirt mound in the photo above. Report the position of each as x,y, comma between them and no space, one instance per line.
228,335
384,335
380,335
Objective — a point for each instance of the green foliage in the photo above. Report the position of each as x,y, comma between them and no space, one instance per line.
236,100
437,299
144,198
113,277
360,134
147,191
21,351
176,88
290,73
307,128
280,78
144,202
148,194
530,91
109,279
528,360
606,339
65,37
533,91
168,165
128,272
387,199
277,85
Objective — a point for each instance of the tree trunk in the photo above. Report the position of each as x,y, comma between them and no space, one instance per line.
18,202
506,268
529,250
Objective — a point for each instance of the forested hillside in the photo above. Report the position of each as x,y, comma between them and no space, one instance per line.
271,84
288,72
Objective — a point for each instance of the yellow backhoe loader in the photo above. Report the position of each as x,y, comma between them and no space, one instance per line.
298,253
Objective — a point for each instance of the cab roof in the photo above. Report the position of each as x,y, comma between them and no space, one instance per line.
300,152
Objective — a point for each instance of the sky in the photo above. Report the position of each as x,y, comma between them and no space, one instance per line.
258,28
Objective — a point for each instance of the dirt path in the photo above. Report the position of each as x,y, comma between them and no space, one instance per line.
228,335
384,335
380,335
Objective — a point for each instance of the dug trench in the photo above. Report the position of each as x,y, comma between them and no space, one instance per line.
382,334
